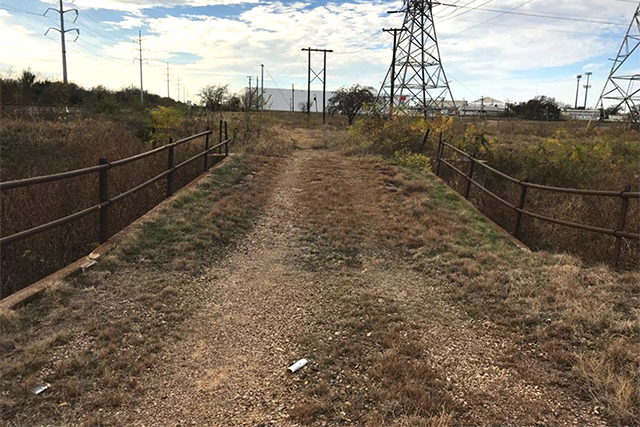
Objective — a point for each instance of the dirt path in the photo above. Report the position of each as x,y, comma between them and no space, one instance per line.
269,304
229,369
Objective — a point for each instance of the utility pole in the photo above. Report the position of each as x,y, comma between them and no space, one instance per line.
140,59
324,89
586,88
308,106
257,96
62,32
317,76
392,69
178,88
579,76
293,98
261,87
250,100
168,73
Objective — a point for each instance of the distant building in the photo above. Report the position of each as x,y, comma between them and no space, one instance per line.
581,114
485,106
282,99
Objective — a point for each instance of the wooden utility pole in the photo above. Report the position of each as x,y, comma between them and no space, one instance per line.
395,32
317,76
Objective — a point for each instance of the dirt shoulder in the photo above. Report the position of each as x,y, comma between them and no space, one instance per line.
410,308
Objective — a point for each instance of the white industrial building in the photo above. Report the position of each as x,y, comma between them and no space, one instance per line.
485,106
282,99
582,114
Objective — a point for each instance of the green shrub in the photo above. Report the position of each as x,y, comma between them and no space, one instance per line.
411,160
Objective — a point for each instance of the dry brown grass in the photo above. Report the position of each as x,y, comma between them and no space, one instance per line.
583,319
375,371
380,378
37,147
93,336
560,154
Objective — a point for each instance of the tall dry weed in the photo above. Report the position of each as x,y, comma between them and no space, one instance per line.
40,147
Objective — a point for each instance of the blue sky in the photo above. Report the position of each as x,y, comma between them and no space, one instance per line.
485,52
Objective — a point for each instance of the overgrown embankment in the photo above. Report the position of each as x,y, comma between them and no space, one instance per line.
93,336
32,148
410,307
36,147
556,154
580,321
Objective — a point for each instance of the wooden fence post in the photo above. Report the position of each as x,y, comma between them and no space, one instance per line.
440,152
170,168
206,148
424,140
220,137
226,138
469,177
523,195
621,221
104,197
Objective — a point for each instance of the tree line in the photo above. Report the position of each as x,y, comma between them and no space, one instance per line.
28,89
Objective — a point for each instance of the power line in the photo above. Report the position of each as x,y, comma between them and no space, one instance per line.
97,22
94,57
435,15
488,20
463,85
367,41
470,9
17,9
106,59
276,84
536,15
533,28
449,13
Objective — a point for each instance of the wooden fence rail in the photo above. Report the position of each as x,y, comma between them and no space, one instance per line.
519,209
102,169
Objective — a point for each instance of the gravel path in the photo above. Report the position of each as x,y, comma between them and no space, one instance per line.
229,367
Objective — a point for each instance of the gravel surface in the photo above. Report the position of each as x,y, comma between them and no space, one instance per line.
229,367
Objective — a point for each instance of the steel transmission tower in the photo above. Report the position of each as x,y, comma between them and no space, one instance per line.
62,32
621,88
416,82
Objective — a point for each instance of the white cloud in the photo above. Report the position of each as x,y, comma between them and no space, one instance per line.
508,57
128,22
593,66
138,6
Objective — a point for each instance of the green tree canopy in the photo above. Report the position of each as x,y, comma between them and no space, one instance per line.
539,108
349,101
214,96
